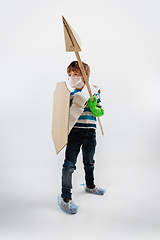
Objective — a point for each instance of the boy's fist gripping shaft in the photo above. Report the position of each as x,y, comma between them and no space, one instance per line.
97,111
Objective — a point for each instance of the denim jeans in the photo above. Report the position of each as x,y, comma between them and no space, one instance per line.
87,139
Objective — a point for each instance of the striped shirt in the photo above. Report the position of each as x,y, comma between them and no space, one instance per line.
87,118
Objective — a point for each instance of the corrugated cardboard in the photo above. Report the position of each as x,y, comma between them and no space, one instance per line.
72,41
60,119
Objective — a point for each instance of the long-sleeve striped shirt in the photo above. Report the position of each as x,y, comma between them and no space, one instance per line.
87,118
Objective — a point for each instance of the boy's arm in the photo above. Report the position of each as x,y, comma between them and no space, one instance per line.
95,109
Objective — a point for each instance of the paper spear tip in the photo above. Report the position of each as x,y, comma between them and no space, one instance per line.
72,40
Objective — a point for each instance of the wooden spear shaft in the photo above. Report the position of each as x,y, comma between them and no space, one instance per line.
87,84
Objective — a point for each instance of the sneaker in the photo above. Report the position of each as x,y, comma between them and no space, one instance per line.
95,190
68,207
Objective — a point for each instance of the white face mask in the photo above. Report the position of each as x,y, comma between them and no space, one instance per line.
76,82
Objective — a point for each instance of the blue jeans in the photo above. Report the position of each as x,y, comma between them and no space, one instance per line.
87,139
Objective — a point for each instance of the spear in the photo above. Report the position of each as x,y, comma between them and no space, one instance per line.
73,44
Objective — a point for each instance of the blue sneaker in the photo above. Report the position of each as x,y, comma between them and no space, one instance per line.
68,207
95,190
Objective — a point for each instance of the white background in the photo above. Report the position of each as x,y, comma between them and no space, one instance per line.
121,43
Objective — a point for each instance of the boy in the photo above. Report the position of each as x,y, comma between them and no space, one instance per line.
82,134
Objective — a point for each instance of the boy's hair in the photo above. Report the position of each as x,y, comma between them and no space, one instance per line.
74,66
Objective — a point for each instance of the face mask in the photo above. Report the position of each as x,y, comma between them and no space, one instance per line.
76,82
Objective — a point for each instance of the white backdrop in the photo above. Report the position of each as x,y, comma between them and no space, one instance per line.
121,43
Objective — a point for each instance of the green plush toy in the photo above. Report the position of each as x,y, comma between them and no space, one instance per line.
97,111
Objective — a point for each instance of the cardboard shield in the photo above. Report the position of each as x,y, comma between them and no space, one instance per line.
60,119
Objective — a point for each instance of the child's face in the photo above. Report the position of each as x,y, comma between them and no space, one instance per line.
79,80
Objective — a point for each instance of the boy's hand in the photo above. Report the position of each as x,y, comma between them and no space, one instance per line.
97,111
92,104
